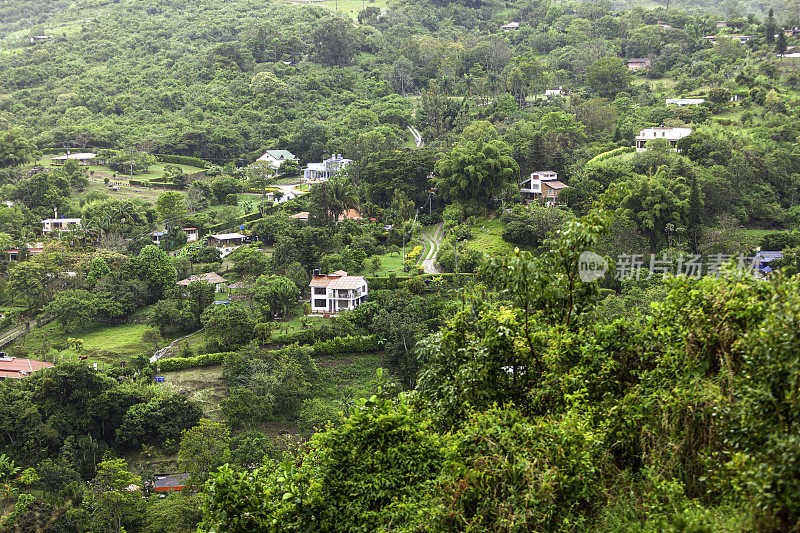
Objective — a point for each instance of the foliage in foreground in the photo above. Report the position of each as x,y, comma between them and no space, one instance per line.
532,415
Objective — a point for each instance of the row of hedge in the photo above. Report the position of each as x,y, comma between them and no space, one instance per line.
392,283
303,336
338,345
183,160
355,344
155,185
239,221
182,363
611,153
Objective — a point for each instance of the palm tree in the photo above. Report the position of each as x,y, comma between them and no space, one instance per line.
468,84
447,85
342,195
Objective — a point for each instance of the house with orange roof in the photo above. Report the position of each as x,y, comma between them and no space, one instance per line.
337,292
16,368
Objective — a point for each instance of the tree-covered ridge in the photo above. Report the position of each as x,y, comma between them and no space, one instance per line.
224,81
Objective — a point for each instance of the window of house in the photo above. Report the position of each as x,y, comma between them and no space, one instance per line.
320,303
319,290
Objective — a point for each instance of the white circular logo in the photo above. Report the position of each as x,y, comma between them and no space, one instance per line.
591,266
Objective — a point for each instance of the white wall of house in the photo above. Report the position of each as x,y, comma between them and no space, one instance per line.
328,300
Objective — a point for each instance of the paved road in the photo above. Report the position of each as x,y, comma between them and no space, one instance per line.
434,240
417,137
169,348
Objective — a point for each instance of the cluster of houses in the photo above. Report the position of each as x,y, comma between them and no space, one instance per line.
314,172
544,185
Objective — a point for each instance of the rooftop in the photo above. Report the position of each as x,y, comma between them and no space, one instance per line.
86,155
169,481
12,367
227,236
209,277
277,154
337,280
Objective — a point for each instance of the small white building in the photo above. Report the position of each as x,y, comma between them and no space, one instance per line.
337,292
511,26
50,225
542,184
741,38
549,93
156,237
226,242
84,159
673,135
318,172
192,234
685,101
277,157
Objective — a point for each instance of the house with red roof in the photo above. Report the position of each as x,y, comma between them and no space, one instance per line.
16,368
337,292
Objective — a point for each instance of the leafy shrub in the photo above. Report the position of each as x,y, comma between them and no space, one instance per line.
183,160
182,363
369,343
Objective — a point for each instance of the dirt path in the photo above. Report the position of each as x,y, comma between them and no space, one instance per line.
433,240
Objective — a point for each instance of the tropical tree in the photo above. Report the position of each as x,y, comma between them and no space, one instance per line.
116,499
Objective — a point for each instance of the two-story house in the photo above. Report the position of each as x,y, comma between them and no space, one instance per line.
673,135
317,172
337,292
542,185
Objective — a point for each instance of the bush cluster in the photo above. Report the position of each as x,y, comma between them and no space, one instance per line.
182,363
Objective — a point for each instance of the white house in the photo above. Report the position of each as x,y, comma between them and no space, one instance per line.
156,237
510,26
685,101
192,234
549,93
84,159
542,184
327,169
276,157
50,225
741,38
673,135
337,292
226,242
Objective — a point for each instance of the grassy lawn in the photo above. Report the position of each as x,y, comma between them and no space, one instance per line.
487,238
155,170
102,343
124,193
202,385
351,7
294,321
390,262
353,373
759,233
